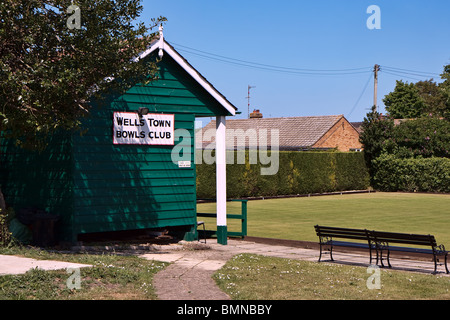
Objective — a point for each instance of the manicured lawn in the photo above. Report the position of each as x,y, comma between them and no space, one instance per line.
294,218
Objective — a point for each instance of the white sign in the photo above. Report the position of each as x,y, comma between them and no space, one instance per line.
149,129
184,164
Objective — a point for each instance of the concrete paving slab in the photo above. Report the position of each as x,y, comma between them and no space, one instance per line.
19,265
211,265
163,257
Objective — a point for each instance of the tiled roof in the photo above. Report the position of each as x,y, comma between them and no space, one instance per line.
293,131
357,126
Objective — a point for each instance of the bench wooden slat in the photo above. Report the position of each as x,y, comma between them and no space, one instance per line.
342,232
351,244
404,238
343,236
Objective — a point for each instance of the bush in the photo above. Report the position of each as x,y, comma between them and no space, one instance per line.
298,173
411,174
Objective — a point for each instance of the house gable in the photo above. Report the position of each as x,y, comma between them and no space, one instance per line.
342,136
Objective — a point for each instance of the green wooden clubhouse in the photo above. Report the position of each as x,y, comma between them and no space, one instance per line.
121,175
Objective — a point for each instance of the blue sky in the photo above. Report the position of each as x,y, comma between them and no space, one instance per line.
413,44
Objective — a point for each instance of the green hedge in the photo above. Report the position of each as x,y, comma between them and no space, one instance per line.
411,174
298,173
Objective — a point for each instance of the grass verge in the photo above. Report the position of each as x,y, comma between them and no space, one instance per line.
111,277
255,277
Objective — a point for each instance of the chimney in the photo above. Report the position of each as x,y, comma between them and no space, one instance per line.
256,114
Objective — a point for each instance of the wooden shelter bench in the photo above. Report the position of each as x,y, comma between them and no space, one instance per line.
380,242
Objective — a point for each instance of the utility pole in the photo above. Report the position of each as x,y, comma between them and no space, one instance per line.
248,100
376,68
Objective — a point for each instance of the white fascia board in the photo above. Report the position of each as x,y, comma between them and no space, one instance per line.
191,71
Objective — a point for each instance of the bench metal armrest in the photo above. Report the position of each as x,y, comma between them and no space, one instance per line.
324,240
439,250
382,245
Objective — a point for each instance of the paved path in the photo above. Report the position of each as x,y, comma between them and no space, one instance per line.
188,277
18,265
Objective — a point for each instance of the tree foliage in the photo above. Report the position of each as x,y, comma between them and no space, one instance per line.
375,136
445,89
49,72
423,137
404,102
423,98
433,96
406,141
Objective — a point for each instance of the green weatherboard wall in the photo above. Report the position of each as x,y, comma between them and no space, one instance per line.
96,186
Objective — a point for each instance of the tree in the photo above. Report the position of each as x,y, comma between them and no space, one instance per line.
49,69
425,137
376,136
404,102
445,88
423,98
433,97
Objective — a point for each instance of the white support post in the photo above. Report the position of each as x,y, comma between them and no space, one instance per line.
221,180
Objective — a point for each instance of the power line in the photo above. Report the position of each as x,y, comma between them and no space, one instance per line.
407,73
267,67
411,72
400,75
360,96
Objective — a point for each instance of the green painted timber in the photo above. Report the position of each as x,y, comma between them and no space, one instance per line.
222,237
96,186
222,232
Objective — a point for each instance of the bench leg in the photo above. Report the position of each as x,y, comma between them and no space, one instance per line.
435,263
389,262
387,258
320,255
204,230
381,258
321,251
380,247
446,268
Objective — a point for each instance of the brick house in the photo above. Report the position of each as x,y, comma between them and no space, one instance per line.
294,133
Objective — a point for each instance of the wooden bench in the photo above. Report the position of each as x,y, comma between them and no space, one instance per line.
383,240
380,242
327,234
